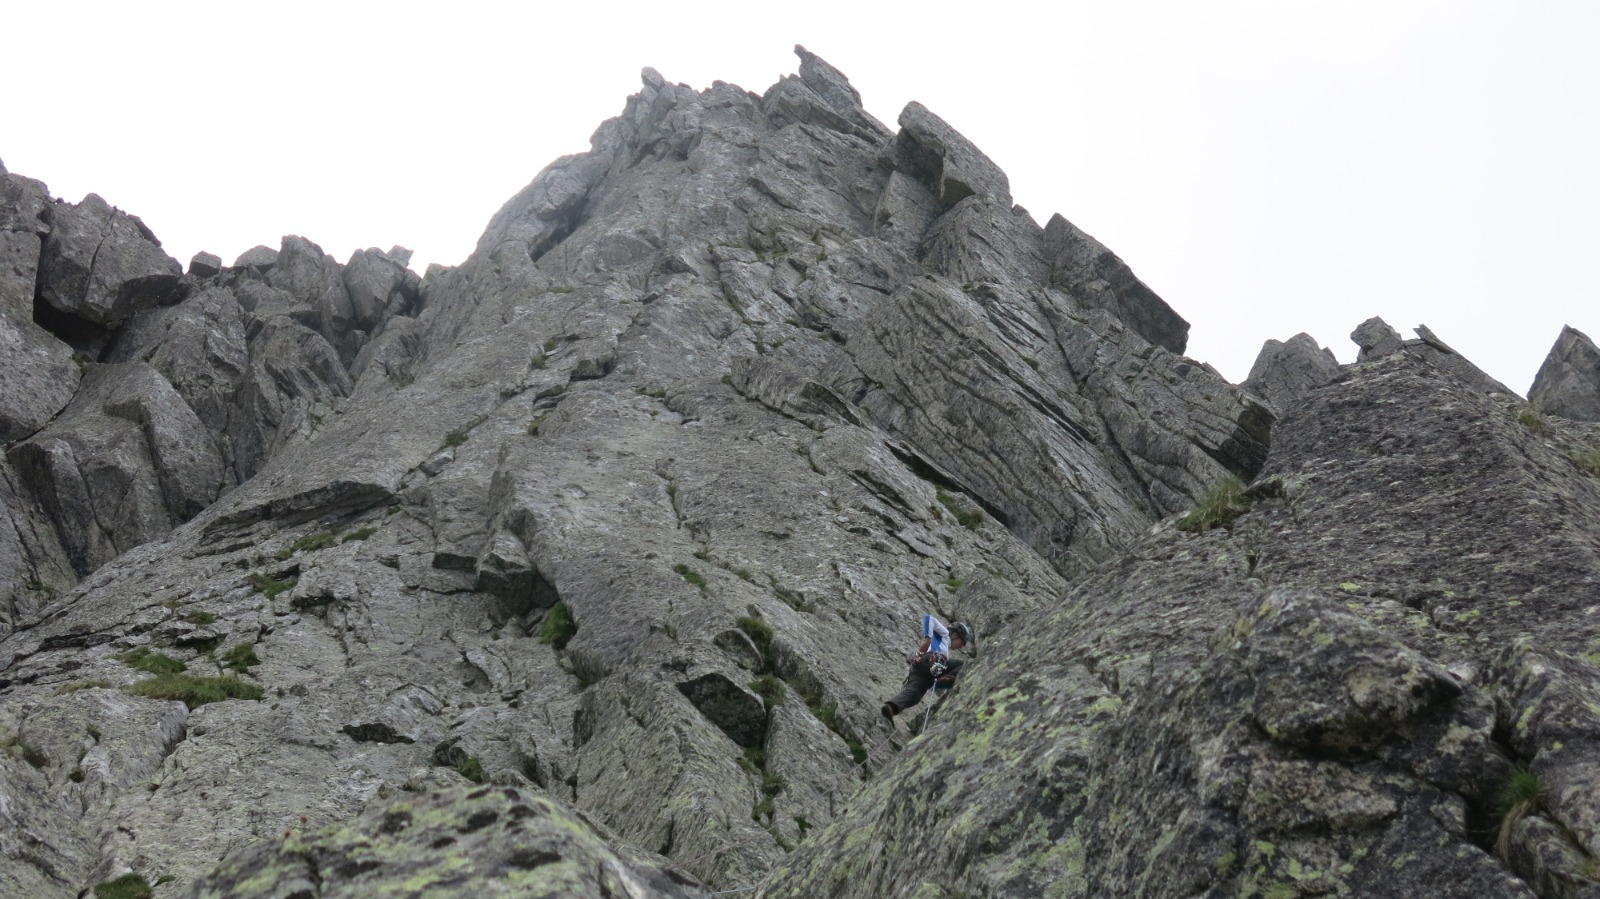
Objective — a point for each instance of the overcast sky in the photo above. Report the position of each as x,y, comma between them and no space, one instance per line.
1267,166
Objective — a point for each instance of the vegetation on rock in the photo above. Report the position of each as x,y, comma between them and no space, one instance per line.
559,626
128,886
308,543
1223,503
1520,797
151,662
195,691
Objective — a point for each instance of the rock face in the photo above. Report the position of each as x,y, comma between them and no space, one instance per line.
1285,371
1568,383
631,516
511,844
1377,340
1323,699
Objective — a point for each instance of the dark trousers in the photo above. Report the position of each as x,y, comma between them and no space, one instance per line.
919,679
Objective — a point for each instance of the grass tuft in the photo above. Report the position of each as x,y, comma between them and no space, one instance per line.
360,534
690,575
792,599
455,438
827,714
1532,418
967,518
268,585
559,626
144,660
98,683
1587,459
471,769
308,543
241,658
128,886
769,688
195,691
1520,797
1223,503
15,748
759,632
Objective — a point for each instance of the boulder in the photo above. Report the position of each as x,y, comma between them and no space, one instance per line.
101,265
260,258
1568,383
205,265
378,285
1375,339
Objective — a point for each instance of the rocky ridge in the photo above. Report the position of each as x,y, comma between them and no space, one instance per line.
629,515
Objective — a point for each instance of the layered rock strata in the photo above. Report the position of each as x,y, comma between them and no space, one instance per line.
339,580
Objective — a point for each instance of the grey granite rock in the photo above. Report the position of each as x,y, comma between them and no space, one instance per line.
1568,383
1348,728
937,155
377,285
205,265
312,277
127,460
260,257
637,509
1099,279
462,841
1284,371
38,376
102,265
1375,339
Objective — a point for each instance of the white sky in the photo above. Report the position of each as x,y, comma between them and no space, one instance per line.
1267,166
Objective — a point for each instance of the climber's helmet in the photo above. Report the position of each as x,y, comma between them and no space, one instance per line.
961,631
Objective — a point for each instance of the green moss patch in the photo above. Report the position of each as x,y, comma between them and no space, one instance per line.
559,626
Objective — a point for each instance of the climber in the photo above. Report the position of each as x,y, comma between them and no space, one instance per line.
930,664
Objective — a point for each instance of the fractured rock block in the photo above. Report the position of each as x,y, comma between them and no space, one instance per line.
1568,383
940,157
102,265
1284,371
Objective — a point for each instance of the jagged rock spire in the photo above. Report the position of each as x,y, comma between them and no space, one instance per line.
1568,383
